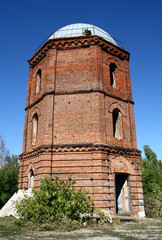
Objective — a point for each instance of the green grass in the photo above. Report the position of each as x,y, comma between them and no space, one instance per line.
11,229
151,229
7,228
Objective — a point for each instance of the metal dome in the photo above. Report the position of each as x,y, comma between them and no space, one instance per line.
79,29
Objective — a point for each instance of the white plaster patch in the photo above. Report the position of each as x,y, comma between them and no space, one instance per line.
141,214
9,208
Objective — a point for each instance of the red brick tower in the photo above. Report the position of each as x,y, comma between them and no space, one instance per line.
79,119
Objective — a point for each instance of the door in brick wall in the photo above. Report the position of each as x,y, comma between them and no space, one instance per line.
122,194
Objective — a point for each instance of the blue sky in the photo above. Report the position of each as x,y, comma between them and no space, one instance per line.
24,25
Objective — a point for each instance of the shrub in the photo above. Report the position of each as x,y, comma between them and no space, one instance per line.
153,203
55,200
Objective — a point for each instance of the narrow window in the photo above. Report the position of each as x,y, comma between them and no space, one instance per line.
112,74
31,179
38,81
117,124
35,127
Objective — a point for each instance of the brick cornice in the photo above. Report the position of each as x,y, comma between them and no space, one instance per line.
79,92
77,42
84,147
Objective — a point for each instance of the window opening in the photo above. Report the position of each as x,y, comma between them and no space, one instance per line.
31,179
116,123
112,74
38,81
35,127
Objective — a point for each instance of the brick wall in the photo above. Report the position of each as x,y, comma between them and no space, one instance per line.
75,124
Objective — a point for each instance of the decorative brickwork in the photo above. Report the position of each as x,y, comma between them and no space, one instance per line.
75,127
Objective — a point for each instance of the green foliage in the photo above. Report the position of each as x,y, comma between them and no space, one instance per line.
151,171
153,203
55,200
11,228
87,32
104,217
64,224
152,183
8,178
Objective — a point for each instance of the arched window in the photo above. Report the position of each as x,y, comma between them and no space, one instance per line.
35,127
38,81
112,74
117,124
31,179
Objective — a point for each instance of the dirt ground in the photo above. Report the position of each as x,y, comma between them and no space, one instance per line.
148,229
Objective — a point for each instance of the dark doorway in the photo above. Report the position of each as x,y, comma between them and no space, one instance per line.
122,194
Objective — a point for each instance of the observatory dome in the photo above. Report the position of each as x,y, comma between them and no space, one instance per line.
80,29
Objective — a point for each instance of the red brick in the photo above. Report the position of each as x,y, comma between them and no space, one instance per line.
75,126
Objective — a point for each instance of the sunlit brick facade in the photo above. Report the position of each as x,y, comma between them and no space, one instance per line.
79,122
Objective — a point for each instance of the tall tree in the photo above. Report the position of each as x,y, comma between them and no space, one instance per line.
152,183
8,178
151,170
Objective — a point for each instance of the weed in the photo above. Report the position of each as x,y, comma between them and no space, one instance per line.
11,228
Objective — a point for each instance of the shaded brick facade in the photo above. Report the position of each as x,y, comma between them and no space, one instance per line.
75,128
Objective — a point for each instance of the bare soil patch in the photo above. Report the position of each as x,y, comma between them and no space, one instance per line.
144,229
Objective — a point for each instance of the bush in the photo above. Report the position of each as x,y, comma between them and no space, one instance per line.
153,203
54,201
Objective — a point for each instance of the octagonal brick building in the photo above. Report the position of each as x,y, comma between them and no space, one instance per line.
79,119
